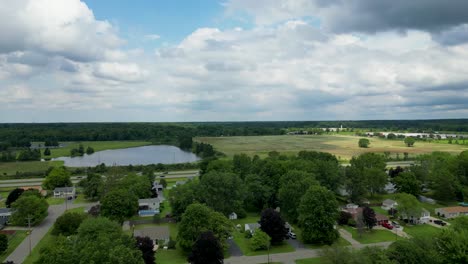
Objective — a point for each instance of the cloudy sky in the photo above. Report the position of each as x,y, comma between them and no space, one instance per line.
232,60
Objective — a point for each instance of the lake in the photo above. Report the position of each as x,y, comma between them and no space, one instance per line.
135,156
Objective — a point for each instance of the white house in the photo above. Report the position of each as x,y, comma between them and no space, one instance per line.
148,207
388,204
62,192
232,216
5,214
251,227
422,218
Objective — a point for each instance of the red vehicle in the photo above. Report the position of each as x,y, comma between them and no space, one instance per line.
387,225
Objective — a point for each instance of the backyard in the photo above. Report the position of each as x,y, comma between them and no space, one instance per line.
372,236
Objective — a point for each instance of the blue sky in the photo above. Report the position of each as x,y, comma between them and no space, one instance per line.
232,60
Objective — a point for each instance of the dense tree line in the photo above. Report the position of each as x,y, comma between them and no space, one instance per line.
20,135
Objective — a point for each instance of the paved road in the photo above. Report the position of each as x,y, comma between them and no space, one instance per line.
38,232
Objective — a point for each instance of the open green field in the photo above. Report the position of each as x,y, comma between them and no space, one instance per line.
96,145
344,147
421,230
10,168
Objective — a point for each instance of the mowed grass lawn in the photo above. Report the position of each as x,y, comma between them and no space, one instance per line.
373,236
309,261
343,146
10,168
96,145
13,242
421,230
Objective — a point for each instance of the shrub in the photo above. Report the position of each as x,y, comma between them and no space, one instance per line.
351,222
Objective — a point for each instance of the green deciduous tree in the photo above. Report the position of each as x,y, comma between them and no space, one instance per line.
317,216
207,250
182,196
47,152
199,218
293,185
363,143
409,141
92,186
222,191
257,192
259,241
31,207
68,223
408,206
406,182
119,204
57,177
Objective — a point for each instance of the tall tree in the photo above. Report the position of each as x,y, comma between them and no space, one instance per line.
408,206
119,204
375,179
68,223
92,186
406,182
409,141
273,224
368,216
13,196
29,207
222,191
260,241
199,218
257,192
363,143
207,250
293,185
317,216
57,177
146,245
3,243
183,196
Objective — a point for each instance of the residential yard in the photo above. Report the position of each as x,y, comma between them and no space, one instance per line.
10,168
55,201
421,230
373,236
81,199
343,146
244,245
47,240
13,242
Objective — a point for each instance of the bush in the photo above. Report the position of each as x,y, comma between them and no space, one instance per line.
68,223
260,241
247,234
344,218
3,243
171,244
352,222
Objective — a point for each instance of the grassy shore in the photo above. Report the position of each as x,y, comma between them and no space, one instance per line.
343,146
10,168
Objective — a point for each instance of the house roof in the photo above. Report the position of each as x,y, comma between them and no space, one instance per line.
252,226
380,217
455,209
149,200
64,189
5,210
388,202
155,233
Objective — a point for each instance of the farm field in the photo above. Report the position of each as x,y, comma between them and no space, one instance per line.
96,145
10,168
343,146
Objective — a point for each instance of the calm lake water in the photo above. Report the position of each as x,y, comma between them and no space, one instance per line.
135,156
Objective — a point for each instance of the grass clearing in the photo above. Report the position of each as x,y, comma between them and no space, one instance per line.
13,242
343,146
10,168
373,236
55,201
244,245
421,230
309,261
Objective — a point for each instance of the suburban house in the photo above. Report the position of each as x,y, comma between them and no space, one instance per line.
148,207
155,233
232,216
62,192
251,227
422,218
381,219
451,212
38,188
5,214
157,187
388,204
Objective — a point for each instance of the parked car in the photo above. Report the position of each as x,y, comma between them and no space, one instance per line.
387,225
440,222
292,235
395,224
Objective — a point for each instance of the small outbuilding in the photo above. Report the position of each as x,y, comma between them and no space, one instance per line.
232,216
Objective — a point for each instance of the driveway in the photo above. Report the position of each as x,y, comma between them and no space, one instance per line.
295,243
39,231
234,249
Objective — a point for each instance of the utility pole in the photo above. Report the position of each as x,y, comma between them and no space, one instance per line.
30,231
